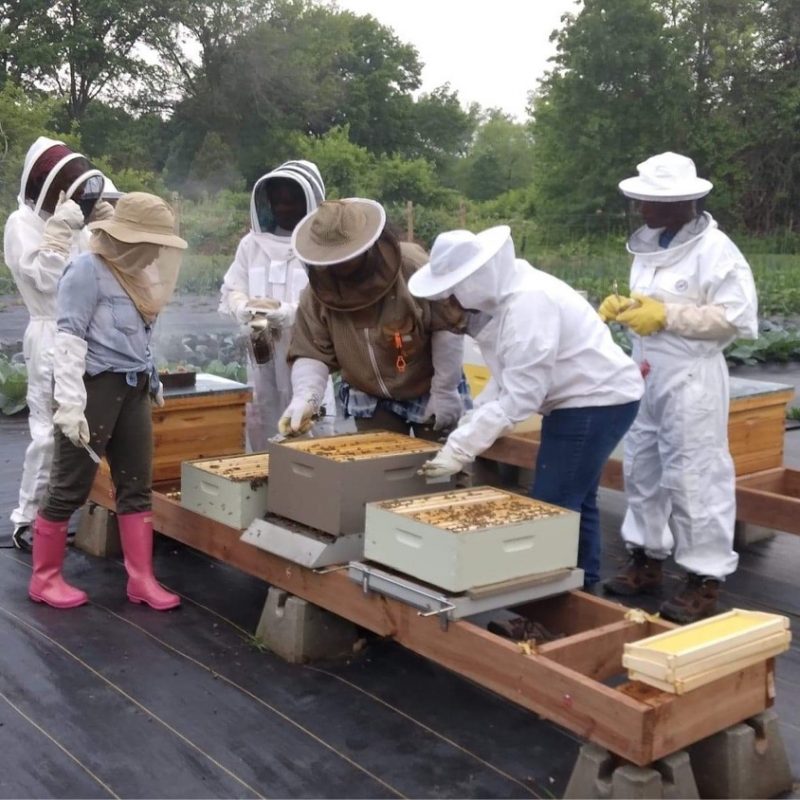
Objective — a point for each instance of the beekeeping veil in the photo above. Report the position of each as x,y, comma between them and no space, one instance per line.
50,163
140,246
304,173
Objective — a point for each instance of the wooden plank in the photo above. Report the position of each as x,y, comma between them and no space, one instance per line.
573,613
203,401
780,399
597,653
688,718
590,709
625,721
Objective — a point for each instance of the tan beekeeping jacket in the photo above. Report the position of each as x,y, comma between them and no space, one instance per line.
370,326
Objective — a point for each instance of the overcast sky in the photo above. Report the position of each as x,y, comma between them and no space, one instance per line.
491,51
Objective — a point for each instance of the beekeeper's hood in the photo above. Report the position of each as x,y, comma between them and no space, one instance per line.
44,161
304,173
479,270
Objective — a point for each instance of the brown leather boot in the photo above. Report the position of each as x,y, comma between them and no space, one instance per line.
695,601
642,575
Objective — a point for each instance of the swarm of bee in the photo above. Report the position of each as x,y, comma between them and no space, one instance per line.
360,446
472,509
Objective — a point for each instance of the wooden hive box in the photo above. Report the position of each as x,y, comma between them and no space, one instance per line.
694,655
756,425
200,422
325,483
457,540
231,490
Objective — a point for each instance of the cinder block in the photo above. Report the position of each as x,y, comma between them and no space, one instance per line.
299,631
98,533
744,761
600,774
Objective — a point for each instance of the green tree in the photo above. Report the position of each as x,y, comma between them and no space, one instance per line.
617,94
501,158
82,49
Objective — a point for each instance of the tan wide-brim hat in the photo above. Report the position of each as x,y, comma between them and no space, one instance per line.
338,231
141,218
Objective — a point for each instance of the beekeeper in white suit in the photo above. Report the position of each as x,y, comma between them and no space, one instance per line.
692,295
59,192
548,353
263,285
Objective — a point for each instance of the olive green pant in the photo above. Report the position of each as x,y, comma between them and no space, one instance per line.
120,428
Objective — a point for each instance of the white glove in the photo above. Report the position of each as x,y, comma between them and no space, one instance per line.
299,416
444,464
445,408
281,317
262,303
69,365
58,230
465,418
157,395
447,353
309,378
102,210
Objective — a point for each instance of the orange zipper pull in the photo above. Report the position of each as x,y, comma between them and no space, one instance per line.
400,364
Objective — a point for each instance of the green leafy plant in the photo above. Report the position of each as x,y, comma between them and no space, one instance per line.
13,386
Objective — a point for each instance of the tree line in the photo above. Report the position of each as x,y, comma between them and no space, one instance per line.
202,97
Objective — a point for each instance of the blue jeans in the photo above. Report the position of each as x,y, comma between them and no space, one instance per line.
575,444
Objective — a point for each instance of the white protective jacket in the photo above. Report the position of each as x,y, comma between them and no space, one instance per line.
546,349
265,266
36,272
679,475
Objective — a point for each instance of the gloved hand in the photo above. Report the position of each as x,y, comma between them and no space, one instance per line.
445,407
71,421
157,397
102,210
58,230
280,317
647,316
69,391
612,306
442,465
299,417
263,303
309,378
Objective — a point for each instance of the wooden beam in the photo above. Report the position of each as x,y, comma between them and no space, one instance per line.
598,653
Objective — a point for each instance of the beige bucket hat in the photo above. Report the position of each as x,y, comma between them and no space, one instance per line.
338,231
140,217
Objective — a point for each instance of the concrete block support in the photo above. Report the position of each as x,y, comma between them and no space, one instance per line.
743,761
299,631
599,774
97,532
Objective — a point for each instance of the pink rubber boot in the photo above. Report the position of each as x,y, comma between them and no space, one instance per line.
47,585
136,534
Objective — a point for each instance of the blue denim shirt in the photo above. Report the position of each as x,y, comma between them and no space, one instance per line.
93,305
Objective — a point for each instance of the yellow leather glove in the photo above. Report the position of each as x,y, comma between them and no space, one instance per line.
646,317
612,306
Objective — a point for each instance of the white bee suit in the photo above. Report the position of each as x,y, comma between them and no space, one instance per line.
679,475
37,268
265,266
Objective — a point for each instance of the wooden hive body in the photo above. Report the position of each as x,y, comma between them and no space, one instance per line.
325,483
230,489
458,540
688,657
